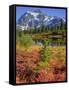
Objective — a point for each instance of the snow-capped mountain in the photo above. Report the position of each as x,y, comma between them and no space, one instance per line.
32,19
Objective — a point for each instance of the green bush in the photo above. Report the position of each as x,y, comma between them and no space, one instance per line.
25,40
45,54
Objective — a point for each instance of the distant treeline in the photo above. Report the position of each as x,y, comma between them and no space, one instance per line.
61,28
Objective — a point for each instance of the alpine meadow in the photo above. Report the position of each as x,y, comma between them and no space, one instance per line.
40,44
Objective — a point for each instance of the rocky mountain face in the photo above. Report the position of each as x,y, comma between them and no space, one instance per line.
35,19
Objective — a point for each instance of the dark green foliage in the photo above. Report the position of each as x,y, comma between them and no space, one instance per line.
61,28
44,52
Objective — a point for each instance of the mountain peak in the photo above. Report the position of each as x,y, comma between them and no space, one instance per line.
38,11
32,19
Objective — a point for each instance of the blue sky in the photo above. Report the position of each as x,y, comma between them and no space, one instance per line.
20,10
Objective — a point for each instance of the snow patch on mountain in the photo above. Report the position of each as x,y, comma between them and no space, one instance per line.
32,19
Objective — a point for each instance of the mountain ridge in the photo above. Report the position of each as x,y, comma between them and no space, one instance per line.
32,19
